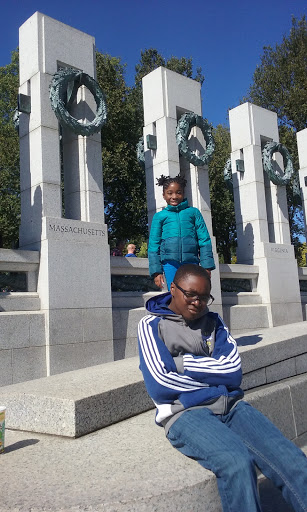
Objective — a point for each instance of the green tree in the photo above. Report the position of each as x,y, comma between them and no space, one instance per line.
9,155
124,179
280,81
151,59
280,84
222,206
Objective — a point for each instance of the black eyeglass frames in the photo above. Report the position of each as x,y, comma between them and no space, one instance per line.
191,296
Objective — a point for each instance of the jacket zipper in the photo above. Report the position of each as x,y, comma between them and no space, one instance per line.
180,239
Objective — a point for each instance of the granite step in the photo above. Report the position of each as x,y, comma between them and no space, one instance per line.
126,467
23,301
93,398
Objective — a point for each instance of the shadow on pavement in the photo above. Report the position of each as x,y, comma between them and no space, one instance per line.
19,444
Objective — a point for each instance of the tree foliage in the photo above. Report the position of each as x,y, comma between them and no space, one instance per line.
222,206
280,85
9,155
124,179
151,59
280,81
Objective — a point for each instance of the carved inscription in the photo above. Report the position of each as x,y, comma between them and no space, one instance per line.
279,249
77,231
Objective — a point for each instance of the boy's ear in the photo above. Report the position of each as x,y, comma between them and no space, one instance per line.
172,288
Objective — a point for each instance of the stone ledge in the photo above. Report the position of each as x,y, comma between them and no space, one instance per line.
78,402
127,467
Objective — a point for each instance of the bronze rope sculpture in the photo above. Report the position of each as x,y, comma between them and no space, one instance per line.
63,90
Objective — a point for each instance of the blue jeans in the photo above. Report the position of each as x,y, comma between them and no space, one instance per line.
170,268
231,445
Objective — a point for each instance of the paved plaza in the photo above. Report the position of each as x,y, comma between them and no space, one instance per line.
127,467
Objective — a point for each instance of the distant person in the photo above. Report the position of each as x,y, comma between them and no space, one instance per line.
118,251
192,372
178,234
131,251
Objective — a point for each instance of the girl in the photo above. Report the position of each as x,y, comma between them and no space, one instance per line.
178,234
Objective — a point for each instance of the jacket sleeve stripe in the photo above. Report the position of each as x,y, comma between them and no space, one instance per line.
155,365
229,363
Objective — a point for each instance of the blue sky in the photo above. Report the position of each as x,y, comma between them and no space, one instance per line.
225,38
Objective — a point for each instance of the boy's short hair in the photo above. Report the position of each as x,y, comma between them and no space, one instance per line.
191,269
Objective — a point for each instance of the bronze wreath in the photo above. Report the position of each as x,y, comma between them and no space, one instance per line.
183,130
63,90
276,147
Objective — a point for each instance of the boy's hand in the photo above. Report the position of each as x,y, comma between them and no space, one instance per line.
159,281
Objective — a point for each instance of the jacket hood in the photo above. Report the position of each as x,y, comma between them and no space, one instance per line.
158,306
179,207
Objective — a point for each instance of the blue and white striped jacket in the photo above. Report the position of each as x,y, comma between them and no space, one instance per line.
187,365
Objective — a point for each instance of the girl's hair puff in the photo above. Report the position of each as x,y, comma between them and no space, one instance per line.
165,181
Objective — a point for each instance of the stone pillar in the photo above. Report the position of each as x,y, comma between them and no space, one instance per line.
74,275
261,214
166,96
302,156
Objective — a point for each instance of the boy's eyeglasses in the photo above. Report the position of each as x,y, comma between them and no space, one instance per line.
191,297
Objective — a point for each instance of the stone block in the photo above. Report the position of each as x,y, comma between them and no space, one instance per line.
280,371
275,404
249,124
65,326
134,299
302,147
84,155
248,317
253,169
167,148
32,201
19,302
6,373
253,379
288,313
78,273
125,322
97,324
251,210
15,330
37,330
28,363
69,47
164,92
298,396
43,157
73,356
124,348
41,110
265,347
301,363
75,403
92,206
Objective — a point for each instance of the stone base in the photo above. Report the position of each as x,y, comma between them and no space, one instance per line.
78,402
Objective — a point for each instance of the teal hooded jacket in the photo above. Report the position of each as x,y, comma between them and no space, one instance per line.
179,233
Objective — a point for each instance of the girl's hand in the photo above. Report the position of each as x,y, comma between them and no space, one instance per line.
159,281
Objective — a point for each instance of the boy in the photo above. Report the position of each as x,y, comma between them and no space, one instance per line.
192,371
